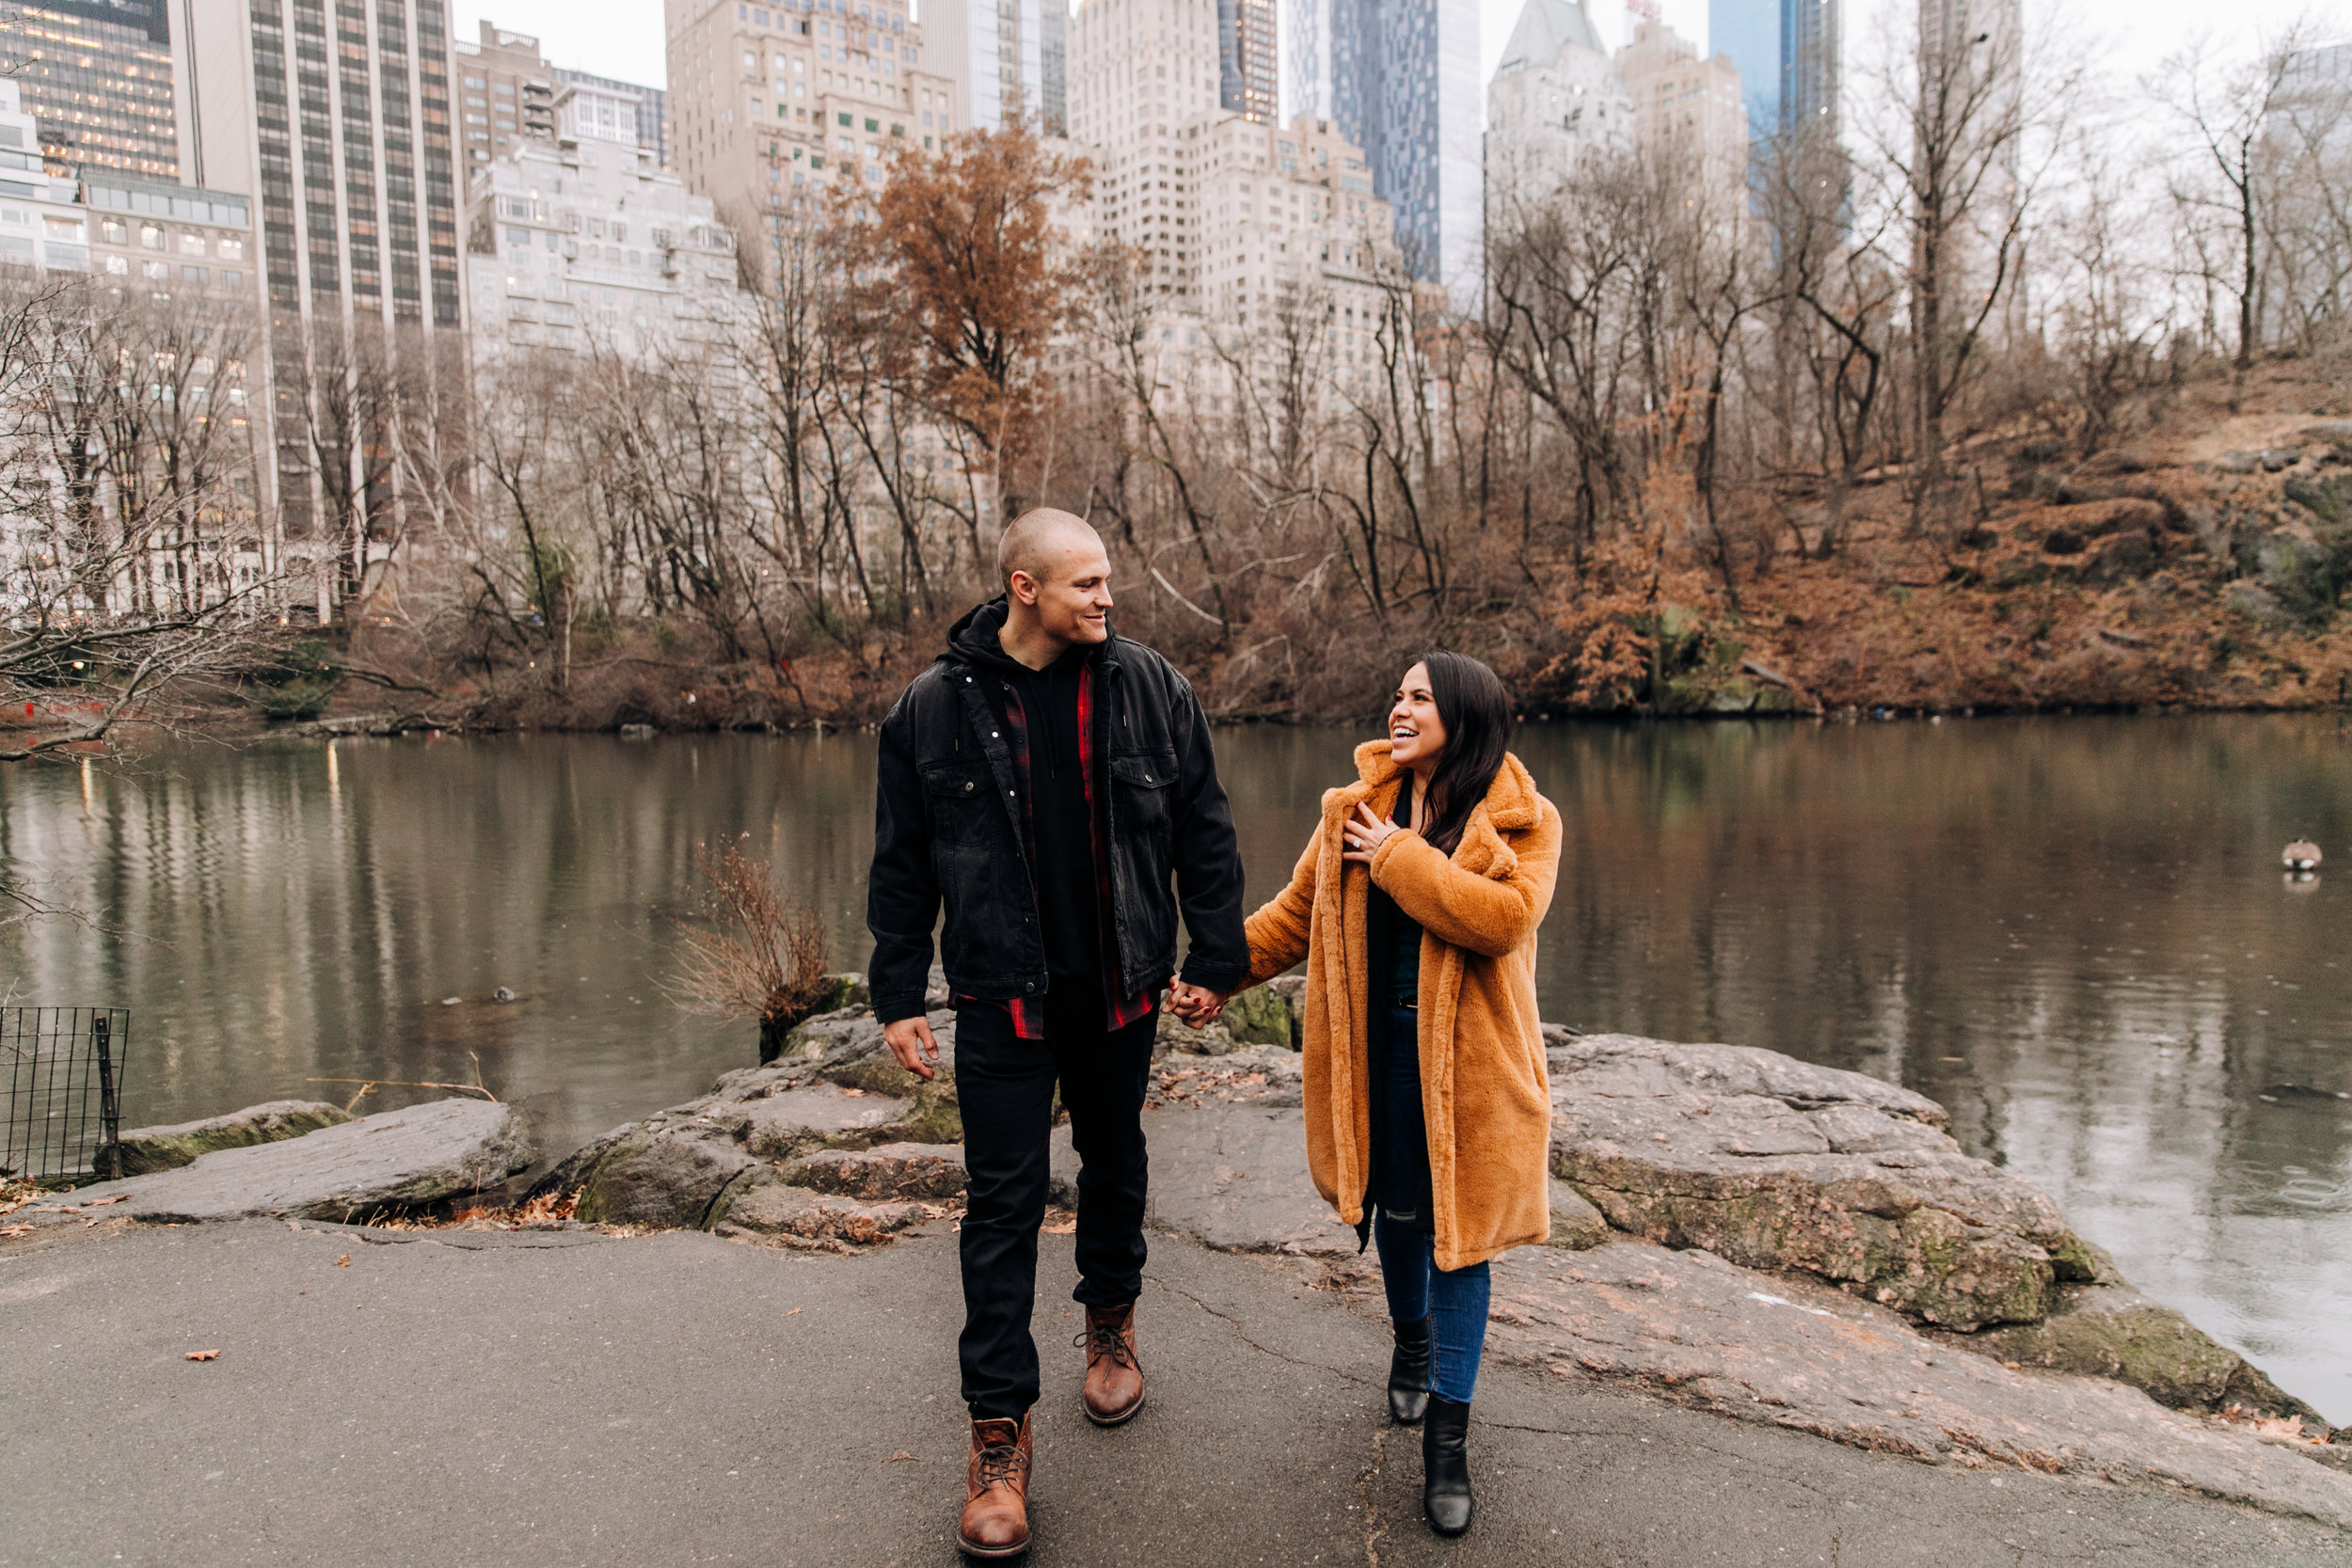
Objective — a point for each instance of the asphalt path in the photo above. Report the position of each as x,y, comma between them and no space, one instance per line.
456,1398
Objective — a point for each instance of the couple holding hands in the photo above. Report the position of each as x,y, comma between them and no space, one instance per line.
1051,785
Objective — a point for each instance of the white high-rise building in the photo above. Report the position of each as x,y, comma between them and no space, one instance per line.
1000,53
1685,106
1142,75
1555,97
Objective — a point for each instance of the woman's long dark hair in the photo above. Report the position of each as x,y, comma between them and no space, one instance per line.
1476,709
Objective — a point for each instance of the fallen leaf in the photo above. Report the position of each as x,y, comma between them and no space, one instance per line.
101,1202
794,1313
344,1262
1068,1227
897,1456
203,1356
15,1229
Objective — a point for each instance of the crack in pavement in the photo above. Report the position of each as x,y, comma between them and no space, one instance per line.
1366,1496
1234,1324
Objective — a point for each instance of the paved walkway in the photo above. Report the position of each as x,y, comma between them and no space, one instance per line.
456,1398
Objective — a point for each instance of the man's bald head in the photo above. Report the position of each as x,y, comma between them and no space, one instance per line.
1036,541
1057,585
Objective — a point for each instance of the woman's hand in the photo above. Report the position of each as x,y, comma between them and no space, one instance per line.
1364,834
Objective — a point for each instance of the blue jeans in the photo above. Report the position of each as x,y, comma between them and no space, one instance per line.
1455,1303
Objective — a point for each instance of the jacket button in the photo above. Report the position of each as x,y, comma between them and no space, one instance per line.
967,787
1028,986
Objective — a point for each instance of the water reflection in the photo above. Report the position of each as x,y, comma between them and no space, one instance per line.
2074,933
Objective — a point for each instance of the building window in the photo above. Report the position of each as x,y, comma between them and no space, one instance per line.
150,236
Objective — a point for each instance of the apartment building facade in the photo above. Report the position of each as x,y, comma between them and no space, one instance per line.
98,78
1144,75
773,105
651,107
586,244
1003,56
1555,98
1686,106
504,95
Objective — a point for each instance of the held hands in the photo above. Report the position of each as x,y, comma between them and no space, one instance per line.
1364,834
911,1040
1196,1006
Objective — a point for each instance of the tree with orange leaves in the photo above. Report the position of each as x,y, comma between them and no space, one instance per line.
953,262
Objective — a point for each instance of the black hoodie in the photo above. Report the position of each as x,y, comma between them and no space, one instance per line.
1053,784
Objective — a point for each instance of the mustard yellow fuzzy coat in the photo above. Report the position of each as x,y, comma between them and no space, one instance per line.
1485,1094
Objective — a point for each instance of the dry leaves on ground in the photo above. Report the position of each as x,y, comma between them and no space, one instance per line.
203,1356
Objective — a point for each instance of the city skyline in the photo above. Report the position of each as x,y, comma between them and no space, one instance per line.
623,38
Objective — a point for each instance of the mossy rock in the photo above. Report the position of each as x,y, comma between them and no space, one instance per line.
1262,1016
2114,1332
147,1149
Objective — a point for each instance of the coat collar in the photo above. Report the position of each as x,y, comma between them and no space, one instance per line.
1512,805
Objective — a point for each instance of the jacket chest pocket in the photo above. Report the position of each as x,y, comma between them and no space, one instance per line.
962,801
1140,786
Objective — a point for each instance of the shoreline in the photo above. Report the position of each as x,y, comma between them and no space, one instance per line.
214,727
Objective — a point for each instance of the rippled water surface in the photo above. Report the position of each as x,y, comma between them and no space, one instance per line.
2072,932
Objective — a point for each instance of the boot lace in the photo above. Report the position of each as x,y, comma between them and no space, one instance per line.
1000,1464
1101,1337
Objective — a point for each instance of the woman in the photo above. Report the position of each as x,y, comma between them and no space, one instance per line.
1415,907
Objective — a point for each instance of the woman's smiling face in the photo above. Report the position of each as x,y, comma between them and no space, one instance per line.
1415,733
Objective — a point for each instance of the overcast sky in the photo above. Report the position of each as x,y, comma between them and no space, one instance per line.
623,38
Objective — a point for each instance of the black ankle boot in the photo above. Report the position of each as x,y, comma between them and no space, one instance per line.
1445,1484
1408,1373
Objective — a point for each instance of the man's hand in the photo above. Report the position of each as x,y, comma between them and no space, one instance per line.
1196,1006
909,1040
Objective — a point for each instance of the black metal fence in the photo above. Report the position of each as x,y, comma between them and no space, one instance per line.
61,1069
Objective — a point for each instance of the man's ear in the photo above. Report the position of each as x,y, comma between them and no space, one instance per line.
1015,586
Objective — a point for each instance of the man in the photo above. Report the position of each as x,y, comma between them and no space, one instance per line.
1044,780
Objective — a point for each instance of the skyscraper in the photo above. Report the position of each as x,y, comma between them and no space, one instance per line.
1555,96
1812,48
1000,53
1749,32
97,78
1400,80
1140,73
1247,80
1686,105
351,162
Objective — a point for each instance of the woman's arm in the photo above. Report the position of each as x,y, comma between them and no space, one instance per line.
1277,933
1486,914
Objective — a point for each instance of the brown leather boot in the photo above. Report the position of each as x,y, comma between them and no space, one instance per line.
996,1490
1114,1378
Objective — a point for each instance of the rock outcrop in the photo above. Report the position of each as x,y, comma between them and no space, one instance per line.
1772,1162
2112,1331
1690,1327
147,1149
389,1162
834,1087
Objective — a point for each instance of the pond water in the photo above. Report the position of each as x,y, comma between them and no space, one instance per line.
2073,932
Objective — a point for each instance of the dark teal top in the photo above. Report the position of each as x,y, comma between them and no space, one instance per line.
1395,936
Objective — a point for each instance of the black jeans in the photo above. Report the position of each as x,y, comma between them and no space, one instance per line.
1005,1086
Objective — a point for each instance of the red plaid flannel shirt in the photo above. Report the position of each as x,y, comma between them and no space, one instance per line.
1029,1013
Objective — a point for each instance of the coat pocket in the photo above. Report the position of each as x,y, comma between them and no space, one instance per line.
963,802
